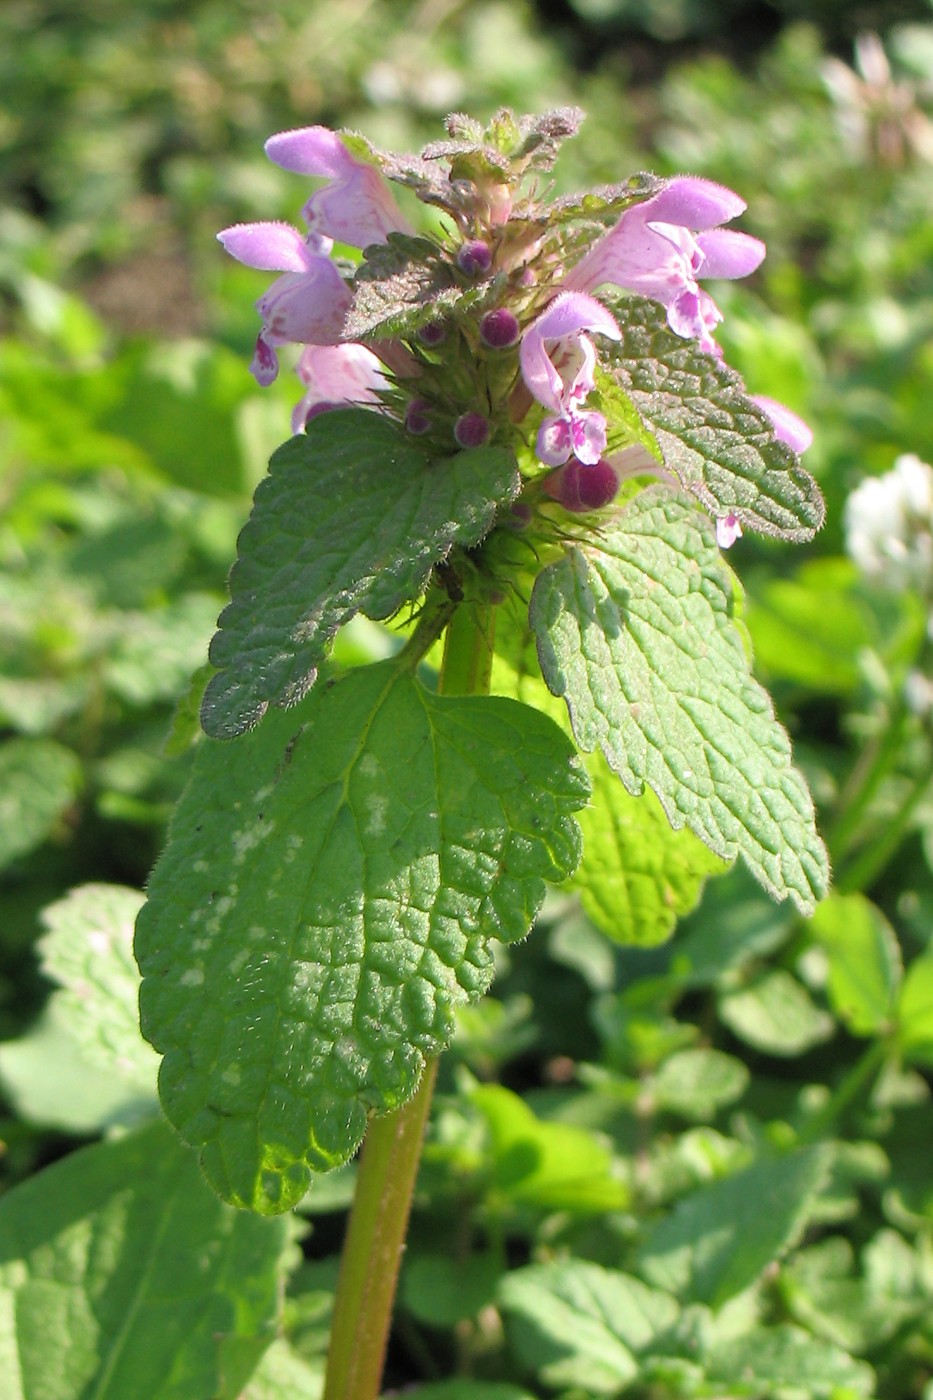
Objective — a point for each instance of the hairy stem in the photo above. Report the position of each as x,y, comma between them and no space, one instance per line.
388,1167
372,1251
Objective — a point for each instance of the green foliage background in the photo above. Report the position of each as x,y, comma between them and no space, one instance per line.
692,1167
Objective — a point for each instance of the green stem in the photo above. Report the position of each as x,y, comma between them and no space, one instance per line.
864,869
388,1166
851,1084
872,768
372,1251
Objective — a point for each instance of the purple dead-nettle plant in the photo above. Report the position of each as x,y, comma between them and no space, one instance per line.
517,442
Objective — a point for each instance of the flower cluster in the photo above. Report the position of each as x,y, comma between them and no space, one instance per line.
495,326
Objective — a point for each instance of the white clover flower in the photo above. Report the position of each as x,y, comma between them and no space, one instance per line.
889,526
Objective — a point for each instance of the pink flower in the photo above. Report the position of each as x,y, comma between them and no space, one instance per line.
728,530
660,247
336,375
308,305
557,361
357,206
788,428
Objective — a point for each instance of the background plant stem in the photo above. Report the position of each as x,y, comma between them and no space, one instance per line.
388,1167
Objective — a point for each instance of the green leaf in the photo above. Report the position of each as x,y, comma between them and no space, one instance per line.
468,1389
735,926
284,1375
697,1083
441,1290
155,653
39,780
776,1014
915,1011
121,1274
717,1241
549,1166
326,900
636,633
352,516
718,442
811,628
49,1082
605,203
820,1290
576,1324
401,285
88,950
864,961
638,875
788,1362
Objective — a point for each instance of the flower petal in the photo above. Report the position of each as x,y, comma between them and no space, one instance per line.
589,436
264,366
692,201
307,308
694,315
272,247
554,443
337,374
357,207
569,314
311,150
788,428
728,253
728,530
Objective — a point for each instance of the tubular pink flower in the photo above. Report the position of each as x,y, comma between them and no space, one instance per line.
788,428
357,206
557,361
336,375
660,247
306,306
728,530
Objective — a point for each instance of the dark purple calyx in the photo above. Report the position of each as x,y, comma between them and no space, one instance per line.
432,333
580,488
471,430
418,417
474,258
499,329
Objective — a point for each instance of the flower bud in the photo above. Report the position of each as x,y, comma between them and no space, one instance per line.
471,430
418,417
474,258
580,488
499,329
432,333
519,516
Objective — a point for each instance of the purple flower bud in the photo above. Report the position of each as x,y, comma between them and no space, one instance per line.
418,417
499,329
471,430
432,333
474,258
581,488
519,516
